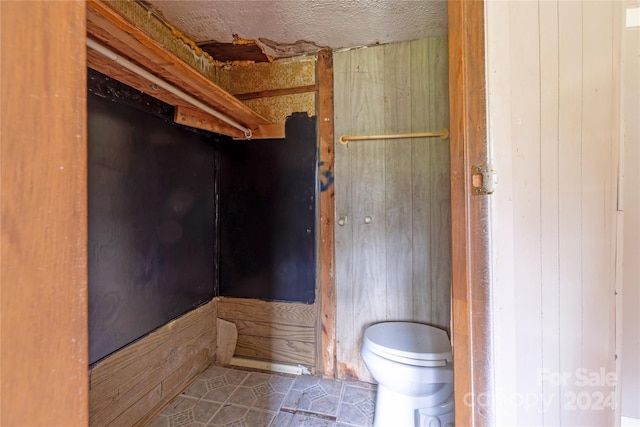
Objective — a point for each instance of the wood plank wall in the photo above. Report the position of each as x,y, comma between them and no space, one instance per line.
630,295
553,100
43,304
398,266
129,386
282,332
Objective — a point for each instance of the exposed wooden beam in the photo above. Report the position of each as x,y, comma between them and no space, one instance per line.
277,92
114,31
268,131
195,118
327,326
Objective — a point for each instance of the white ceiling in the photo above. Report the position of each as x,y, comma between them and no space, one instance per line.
291,27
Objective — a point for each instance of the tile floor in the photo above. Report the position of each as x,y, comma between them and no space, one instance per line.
222,397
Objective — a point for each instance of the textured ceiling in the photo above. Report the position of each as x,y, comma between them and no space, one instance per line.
291,27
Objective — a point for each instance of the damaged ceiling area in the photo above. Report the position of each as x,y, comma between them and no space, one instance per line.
288,28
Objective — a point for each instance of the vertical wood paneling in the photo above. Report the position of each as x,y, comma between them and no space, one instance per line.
43,304
344,233
629,299
525,134
616,252
597,164
569,209
422,286
549,204
386,270
598,198
561,155
367,195
440,183
398,230
499,114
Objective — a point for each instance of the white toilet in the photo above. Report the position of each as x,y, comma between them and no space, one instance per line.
412,364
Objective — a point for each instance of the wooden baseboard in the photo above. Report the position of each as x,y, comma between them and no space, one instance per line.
280,332
132,384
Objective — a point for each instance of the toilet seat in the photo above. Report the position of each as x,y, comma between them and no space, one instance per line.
410,343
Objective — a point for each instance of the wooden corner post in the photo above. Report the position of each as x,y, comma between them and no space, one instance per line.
327,285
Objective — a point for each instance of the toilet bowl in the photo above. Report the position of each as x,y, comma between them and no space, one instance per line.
412,364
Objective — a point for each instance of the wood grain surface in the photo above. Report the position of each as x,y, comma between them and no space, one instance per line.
469,215
327,286
43,303
281,332
397,265
127,387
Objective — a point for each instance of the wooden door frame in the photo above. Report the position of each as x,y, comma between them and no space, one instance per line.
43,284
471,333
469,219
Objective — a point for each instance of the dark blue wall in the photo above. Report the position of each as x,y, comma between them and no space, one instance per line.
268,214
178,216
152,212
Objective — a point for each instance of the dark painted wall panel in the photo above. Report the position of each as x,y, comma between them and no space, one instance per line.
152,209
267,215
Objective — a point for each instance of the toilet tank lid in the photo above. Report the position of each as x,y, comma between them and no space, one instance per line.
407,339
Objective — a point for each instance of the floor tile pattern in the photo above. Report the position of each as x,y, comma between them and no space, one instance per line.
222,397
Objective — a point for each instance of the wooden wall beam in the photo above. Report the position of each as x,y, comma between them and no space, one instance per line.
196,118
327,285
276,92
470,251
43,283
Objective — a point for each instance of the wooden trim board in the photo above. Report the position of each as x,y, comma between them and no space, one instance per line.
129,386
281,332
43,283
193,117
470,253
276,92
